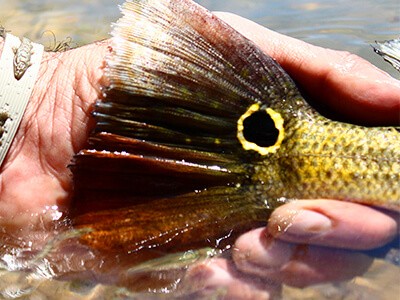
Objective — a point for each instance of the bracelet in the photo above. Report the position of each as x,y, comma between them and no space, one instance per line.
19,68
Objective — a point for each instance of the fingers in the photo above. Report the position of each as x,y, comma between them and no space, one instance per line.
300,265
219,278
346,83
292,249
332,223
301,245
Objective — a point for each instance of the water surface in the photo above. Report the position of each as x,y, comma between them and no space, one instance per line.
343,25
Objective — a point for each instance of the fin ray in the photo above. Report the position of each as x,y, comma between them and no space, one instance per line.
190,220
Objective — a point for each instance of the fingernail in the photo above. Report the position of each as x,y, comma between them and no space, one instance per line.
308,222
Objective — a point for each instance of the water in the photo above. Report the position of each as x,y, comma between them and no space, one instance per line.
343,25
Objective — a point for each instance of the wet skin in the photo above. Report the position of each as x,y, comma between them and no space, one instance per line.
57,123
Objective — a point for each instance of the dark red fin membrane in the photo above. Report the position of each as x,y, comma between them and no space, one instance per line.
127,237
165,145
136,178
175,224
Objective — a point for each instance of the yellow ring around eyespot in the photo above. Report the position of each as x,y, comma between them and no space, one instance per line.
278,121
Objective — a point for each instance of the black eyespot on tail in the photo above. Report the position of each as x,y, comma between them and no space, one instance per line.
259,128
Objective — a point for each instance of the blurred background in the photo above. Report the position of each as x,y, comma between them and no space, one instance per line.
344,25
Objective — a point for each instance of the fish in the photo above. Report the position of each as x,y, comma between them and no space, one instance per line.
200,135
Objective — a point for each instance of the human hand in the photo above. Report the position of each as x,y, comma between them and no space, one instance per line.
311,241
34,176
57,123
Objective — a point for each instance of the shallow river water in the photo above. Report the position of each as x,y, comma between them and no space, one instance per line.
344,25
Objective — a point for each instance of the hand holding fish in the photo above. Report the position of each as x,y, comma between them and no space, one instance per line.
350,86
34,176
57,124
305,241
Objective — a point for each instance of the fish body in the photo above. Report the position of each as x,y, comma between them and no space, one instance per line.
320,158
201,134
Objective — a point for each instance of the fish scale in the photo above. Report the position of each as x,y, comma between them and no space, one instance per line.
338,161
159,182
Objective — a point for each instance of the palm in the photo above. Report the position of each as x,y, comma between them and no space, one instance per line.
57,123
55,126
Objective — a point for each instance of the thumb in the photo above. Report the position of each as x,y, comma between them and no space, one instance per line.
346,83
